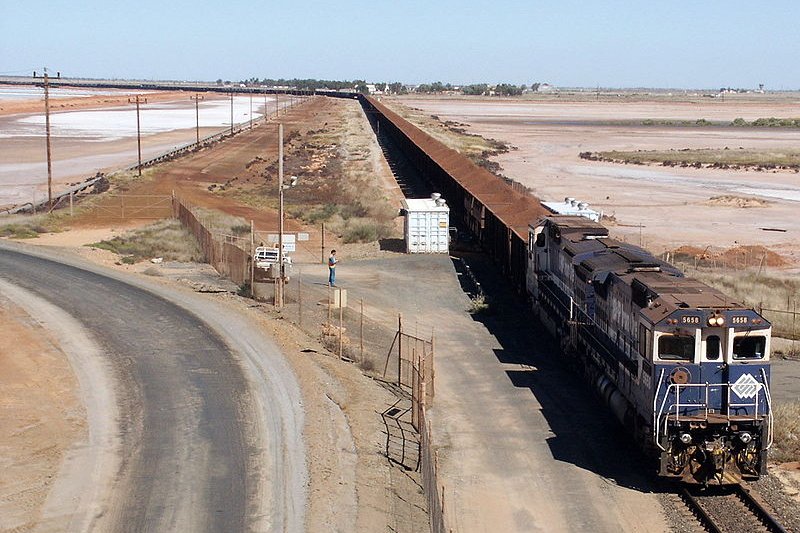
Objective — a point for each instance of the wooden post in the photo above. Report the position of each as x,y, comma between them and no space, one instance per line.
299,298
252,259
341,322
71,199
431,372
322,251
122,204
794,321
361,333
399,348
329,308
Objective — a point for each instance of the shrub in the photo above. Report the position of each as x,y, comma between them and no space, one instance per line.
364,230
20,231
787,432
240,229
166,238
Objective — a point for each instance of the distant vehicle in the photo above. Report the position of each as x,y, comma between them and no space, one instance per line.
266,256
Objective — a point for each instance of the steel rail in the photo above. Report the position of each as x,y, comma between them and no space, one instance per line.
744,493
697,510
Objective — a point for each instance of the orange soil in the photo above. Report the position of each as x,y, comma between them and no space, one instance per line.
190,177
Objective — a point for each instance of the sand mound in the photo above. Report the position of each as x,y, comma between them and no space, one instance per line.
737,201
739,257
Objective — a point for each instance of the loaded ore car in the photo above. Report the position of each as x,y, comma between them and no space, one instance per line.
683,367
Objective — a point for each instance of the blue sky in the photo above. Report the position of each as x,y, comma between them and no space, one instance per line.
698,44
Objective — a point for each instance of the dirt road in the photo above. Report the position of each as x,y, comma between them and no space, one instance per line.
209,415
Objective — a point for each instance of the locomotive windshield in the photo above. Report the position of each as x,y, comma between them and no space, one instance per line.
750,347
676,347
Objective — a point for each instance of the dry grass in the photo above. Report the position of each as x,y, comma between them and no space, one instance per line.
165,238
787,432
219,222
30,226
339,172
705,157
768,291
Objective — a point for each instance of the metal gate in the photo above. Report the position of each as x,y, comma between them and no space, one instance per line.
135,207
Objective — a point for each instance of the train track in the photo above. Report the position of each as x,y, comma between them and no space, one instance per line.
730,510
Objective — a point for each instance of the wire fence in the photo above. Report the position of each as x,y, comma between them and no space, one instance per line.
376,340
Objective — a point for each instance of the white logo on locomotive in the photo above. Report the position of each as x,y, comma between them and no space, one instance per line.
746,386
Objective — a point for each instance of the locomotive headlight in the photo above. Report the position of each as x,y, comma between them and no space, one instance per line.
720,320
745,437
686,438
712,321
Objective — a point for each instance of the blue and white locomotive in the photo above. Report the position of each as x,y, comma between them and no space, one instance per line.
681,365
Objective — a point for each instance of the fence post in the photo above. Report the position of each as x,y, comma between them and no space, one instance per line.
341,322
322,249
71,195
252,259
399,349
431,372
329,308
361,332
299,298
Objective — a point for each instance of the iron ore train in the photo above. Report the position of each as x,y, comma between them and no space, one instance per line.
682,366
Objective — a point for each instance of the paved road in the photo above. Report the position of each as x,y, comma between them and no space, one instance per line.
191,427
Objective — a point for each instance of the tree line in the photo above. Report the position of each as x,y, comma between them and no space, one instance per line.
308,84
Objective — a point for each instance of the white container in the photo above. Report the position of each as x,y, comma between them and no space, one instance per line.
426,225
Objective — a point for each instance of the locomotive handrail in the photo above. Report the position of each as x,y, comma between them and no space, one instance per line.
768,398
657,421
664,411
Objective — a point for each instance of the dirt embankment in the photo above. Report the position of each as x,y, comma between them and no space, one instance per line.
739,257
40,416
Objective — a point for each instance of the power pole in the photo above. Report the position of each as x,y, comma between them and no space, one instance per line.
138,100
46,79
197,97
231,111
251,109
279,286
265,107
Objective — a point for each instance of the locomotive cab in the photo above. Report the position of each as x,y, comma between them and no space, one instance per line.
682,366
712,420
